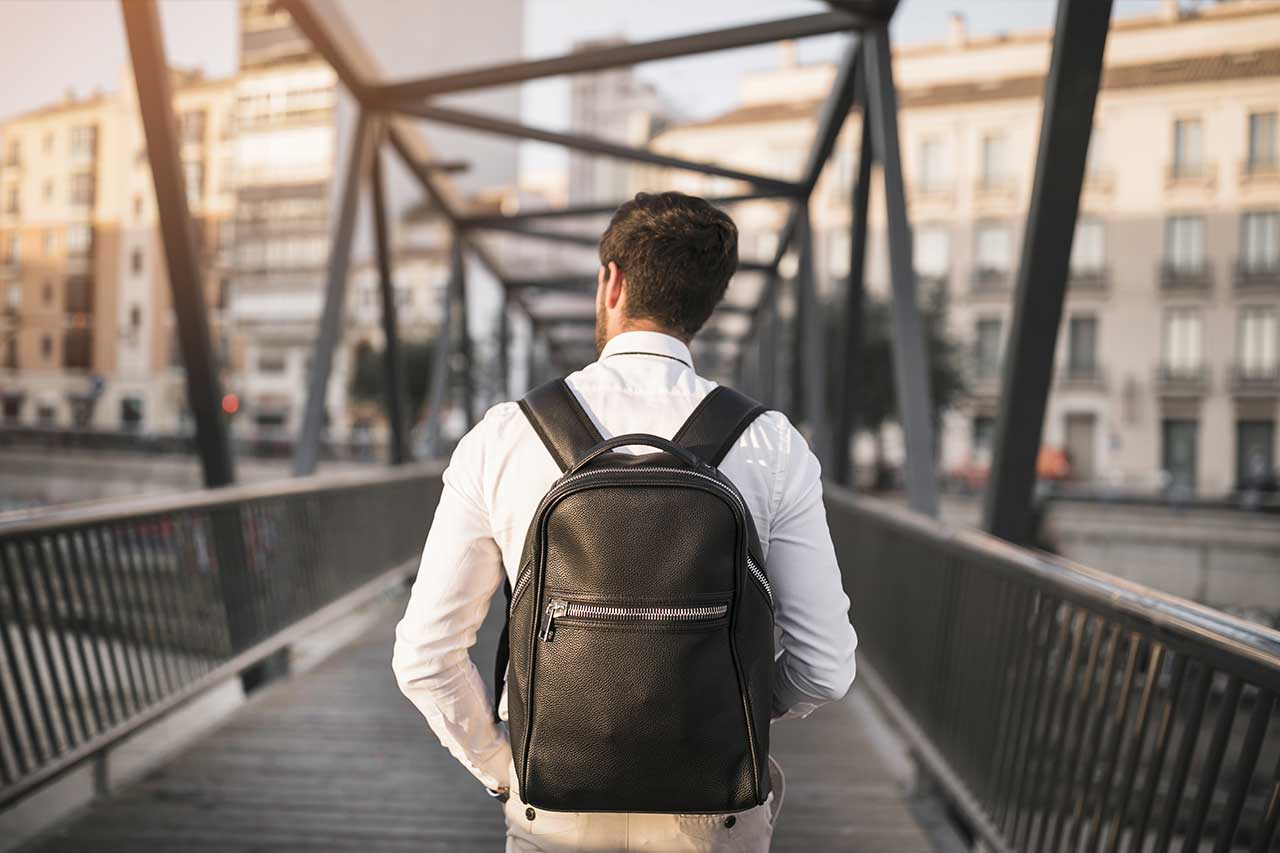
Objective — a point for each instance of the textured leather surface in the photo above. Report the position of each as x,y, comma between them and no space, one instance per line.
714,426
659,716
560,421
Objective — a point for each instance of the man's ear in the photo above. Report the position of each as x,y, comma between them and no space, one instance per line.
611,279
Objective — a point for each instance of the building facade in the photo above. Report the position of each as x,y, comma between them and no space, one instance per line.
1168,369
86,332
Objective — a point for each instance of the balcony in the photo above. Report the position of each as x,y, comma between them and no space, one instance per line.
1181,380
1194,176
995,188
1095,279
1085,376
1260,172
1250,275
989,281
1255,380
1185,279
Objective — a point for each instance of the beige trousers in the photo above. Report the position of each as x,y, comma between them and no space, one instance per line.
569,832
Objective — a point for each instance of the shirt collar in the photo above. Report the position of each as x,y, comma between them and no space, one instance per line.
648,343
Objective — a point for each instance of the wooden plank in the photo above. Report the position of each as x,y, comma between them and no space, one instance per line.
337,759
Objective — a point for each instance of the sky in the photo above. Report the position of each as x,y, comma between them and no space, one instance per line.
49,46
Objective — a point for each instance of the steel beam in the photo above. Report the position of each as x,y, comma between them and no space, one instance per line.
622,55
515,130
458,260
186,281
307,453
1070,94
910,355
570,283
811,327
521,230
834,110
488,220
853,339
393,373
442,351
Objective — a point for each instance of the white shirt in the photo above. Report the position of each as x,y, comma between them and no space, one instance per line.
643,382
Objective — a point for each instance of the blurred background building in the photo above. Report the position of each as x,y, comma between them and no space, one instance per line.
1169,369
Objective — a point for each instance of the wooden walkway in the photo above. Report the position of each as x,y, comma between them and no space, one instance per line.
336,759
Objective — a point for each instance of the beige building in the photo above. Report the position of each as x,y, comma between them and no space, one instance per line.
1168,371
86,333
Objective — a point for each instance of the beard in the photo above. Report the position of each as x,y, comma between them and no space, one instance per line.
601,327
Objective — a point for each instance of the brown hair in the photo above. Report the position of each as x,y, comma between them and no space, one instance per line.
676,252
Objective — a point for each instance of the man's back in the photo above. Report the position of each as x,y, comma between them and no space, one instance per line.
644,382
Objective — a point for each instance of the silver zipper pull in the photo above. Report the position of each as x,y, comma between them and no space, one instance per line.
555,609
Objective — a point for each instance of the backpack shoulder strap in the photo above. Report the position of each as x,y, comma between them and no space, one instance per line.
561,422
717,422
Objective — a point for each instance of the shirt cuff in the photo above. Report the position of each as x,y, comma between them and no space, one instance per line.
789,701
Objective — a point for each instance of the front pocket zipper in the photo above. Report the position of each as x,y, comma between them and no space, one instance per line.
558,608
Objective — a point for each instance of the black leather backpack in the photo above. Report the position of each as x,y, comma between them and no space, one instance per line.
640,628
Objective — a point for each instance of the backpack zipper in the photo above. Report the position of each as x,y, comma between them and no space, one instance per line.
559,608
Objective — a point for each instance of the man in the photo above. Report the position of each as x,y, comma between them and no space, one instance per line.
665,262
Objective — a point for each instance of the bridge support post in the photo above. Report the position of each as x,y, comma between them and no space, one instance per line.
459,264
847,411
186,281
1070,94
392,361
810,332
307,452
438,389
910,356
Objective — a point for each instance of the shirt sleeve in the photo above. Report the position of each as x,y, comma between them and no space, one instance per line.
461,568
816,662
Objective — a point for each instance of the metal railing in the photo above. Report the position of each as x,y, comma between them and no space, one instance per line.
1061,708
112,615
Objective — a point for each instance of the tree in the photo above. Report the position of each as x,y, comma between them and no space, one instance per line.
877,393
368,377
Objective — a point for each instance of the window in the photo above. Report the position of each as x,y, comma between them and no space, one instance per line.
1184,244
1260,241
131,413
1188,147
13,157
14,299
48,143
1264,141
986,347
984,433
992,248
1258,353
47,191
12,202
135,316
932,165
50,242
77,348
79,240
79,295
46,347
46,293
272,361
1178,455
137,207
1082,345
13,251
135,261
191,127
84,140
193,173
932,250
1255,453
82,189
1183,342
995,160
1088,248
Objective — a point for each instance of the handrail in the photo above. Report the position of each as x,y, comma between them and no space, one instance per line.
113,614
1058,707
